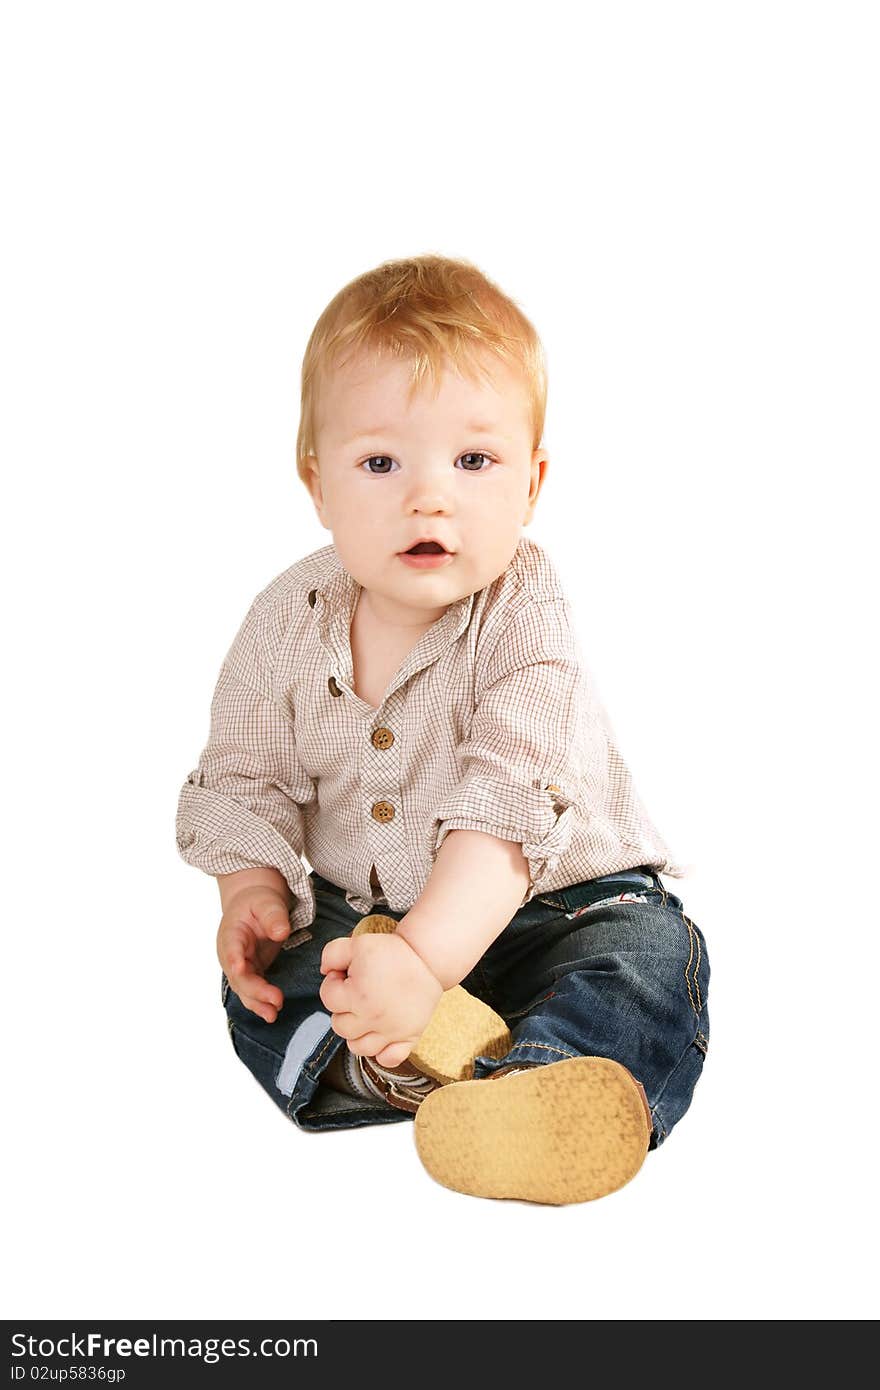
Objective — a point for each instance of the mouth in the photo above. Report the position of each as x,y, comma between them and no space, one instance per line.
425,555
426,548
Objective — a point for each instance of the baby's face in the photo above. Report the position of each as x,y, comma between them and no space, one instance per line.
457,467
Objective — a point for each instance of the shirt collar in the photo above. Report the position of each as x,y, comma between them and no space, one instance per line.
336,595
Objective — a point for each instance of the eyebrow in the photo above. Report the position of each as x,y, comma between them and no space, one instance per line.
474,427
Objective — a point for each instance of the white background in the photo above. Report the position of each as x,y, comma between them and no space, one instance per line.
683,198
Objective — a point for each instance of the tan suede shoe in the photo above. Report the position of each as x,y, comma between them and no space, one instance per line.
563,1132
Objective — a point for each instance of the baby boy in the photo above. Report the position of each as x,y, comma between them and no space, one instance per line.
483,943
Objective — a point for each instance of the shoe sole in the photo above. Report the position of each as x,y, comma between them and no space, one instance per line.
562,1132
460,1029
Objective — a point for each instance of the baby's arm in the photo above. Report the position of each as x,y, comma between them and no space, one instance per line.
393,982
476,885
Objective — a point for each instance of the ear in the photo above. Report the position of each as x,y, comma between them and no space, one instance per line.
538,472
313,483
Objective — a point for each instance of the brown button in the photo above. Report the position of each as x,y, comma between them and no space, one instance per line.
382,738
552,787
383,810
313,594
333,687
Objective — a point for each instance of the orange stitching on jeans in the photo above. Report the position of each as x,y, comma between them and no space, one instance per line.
324,1048
689,959
518,1013
550,901
697,966
545,1046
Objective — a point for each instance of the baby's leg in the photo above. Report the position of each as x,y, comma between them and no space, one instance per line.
608,1013
624,980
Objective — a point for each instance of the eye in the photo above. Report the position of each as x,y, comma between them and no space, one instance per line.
477,455
377,458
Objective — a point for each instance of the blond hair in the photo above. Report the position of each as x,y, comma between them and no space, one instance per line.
429,310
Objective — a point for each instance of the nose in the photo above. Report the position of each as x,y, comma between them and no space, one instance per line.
430,491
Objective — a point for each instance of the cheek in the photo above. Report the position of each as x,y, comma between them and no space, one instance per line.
346,512
499,507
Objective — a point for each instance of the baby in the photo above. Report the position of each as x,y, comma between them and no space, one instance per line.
483,942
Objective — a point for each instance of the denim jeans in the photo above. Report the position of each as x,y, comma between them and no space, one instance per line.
611,967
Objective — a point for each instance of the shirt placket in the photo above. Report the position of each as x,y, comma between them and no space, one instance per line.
381,767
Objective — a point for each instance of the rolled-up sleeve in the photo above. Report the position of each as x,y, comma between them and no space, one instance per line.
522,759
241,806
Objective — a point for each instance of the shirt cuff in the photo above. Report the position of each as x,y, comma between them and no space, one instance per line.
539,818
220,836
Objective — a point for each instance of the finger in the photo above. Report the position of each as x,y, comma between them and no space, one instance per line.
248,984
234,947
335,993
272,996
267,1012
347,1025
395,1054
274,922
368,1044
337,954
244,982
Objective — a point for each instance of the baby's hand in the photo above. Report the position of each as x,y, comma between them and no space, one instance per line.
384,1002
254,924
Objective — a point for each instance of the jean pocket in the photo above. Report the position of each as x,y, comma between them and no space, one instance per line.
554,900
539,911
612,888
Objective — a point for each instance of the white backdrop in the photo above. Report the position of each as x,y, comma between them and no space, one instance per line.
683,198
